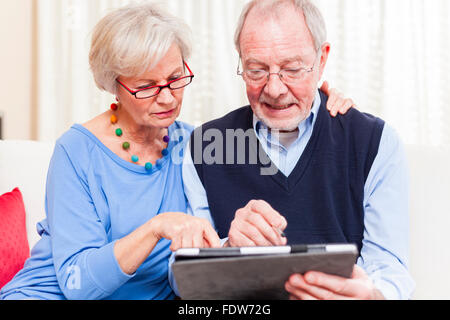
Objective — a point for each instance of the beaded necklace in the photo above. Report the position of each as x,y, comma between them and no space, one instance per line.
126,145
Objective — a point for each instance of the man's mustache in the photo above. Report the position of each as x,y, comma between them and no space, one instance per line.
272,102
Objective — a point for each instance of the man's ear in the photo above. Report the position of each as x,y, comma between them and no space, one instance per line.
324,58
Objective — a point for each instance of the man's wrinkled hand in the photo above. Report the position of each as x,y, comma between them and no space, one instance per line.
320,286
257,224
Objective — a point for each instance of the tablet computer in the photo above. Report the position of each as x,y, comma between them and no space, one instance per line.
249,273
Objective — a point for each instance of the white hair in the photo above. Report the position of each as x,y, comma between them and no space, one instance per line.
313,17
133,39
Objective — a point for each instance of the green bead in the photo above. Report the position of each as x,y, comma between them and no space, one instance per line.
119,132
148,166
134,159
126,145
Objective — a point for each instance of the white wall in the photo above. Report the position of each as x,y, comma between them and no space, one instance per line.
16,56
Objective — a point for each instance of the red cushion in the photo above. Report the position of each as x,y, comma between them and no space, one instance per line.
14,248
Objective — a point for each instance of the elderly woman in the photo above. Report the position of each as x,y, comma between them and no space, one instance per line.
114,201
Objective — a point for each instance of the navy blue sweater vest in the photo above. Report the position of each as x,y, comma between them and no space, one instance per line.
322,199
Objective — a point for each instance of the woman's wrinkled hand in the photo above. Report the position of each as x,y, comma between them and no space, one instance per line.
336,101
185,231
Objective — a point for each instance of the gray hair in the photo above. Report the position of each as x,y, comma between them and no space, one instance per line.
133,39
313,17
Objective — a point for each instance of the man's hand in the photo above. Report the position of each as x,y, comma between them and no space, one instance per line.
336,101
319,286
257,224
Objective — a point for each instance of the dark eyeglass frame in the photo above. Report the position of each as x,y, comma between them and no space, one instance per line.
167,85
265,79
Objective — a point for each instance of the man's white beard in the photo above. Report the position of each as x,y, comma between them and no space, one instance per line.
282,125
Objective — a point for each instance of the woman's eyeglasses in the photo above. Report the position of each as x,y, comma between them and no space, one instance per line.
152,91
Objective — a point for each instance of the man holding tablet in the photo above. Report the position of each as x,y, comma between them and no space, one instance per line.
323,179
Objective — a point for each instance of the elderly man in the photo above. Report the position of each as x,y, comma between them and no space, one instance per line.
336,179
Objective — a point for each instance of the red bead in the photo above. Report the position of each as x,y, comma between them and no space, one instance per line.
114,107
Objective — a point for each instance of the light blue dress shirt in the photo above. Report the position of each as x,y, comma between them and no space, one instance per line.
384,253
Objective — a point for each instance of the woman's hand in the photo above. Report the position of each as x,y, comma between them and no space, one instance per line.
184,231
336,101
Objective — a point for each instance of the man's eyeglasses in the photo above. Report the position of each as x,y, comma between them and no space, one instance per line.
152,91
261,77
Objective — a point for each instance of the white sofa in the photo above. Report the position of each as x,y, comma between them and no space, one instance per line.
430,220
25,163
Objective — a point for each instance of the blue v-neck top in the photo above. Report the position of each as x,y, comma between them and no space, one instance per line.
94,198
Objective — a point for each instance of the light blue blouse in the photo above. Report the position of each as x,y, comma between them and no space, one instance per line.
94,198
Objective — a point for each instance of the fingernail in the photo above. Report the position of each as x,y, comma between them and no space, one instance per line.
296,281
310,278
